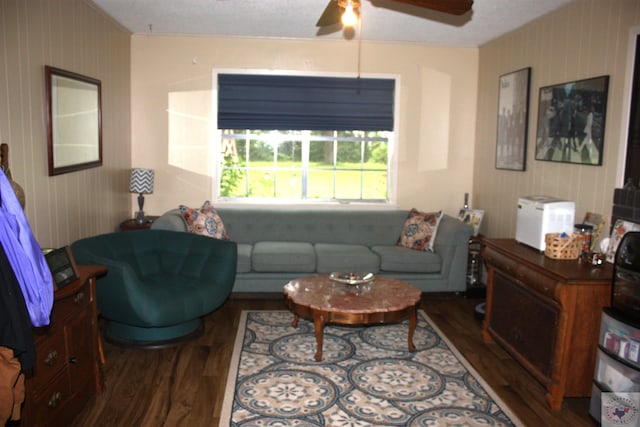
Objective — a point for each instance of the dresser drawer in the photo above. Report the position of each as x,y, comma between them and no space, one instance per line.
50,401
541,283
616,376
501,262
620,339
72,304
527,323
545,285
50,358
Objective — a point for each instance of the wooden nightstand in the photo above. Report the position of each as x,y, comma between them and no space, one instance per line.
69,358
130,224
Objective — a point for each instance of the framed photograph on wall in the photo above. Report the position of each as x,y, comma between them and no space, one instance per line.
513,120
571,119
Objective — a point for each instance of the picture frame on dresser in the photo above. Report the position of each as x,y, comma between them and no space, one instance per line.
513,120
472,217
62,265
571,121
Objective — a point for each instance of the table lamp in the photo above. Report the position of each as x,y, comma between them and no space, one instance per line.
141,182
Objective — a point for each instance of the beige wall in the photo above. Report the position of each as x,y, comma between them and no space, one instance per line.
172,128
586,39
168,126
72,35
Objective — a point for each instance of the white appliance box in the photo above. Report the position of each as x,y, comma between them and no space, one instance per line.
539,215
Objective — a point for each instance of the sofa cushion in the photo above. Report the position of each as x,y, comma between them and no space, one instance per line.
244,258
296,257
205,221
419,230
342,257
404,260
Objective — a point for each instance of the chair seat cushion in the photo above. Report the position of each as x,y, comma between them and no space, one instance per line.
298,257
342,257
405,260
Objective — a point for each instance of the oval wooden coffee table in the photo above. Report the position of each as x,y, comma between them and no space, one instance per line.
383,300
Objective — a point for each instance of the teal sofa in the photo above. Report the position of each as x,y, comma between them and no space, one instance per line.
159,283
276,245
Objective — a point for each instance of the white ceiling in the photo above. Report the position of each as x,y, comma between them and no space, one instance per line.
382,20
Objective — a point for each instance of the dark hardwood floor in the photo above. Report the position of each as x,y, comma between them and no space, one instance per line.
184,386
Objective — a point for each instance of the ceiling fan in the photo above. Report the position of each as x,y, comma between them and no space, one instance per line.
339,10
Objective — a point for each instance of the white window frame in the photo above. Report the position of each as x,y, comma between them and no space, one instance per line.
217,141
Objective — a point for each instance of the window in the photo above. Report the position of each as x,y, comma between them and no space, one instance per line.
305,138
305,165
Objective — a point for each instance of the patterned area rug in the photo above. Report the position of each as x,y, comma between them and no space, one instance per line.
366,378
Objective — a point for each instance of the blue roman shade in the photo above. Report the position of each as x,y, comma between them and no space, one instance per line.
248,101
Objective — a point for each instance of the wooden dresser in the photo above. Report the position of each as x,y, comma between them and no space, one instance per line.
68,368
546,314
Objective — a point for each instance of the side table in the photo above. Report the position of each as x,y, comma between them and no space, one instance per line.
475,286
131,225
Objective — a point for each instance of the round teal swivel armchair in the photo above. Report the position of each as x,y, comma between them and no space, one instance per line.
159,283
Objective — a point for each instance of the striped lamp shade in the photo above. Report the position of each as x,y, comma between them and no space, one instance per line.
141,181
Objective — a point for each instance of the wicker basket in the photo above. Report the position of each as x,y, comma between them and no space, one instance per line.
559,247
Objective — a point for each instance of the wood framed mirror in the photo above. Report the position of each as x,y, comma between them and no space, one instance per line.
74,121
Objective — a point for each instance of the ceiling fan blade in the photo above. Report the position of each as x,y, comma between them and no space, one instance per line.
331,15
453,7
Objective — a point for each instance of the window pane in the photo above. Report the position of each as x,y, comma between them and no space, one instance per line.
233,182
376,152
260,151
375,185
289,183
290,154
349,155
321,152
261,183
320,184
348,185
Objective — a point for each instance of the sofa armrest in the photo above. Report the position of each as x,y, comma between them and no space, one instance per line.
115,291
452,244
171,220
452,232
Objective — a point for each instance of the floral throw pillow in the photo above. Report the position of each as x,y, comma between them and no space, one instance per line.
419,230
205,221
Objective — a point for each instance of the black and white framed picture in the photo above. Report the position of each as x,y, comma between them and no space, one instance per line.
513,120
571,118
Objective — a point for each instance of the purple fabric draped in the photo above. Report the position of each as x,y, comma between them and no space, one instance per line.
25,256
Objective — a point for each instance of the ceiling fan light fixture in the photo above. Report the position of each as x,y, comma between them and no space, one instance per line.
349,17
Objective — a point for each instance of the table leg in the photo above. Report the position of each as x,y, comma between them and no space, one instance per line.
295,321
318,322
413,321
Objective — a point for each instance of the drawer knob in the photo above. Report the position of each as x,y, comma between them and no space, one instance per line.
51,358
73,360
55,399
79,298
